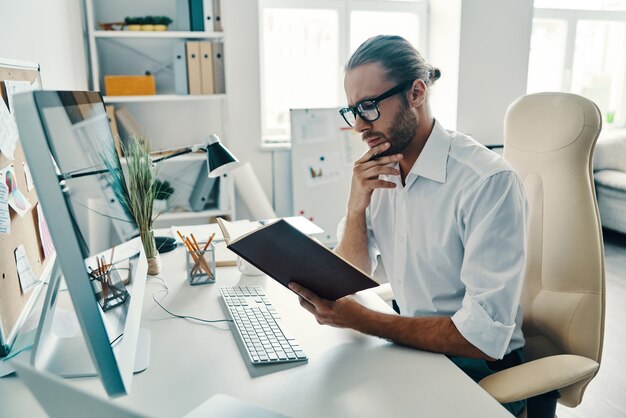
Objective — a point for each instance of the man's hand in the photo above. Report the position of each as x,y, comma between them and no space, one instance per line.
365,177
343,313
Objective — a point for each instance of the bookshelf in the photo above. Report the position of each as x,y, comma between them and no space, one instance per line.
170,118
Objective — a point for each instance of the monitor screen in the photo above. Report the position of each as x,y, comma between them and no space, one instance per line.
80,185
85,157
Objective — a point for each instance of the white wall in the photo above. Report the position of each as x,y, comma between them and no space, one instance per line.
493,64
443,52
49,33
243,105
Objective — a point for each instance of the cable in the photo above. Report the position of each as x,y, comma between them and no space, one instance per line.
117,338
166,290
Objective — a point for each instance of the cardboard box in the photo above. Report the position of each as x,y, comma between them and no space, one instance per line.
129,85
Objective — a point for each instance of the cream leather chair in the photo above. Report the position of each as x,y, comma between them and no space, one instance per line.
549,139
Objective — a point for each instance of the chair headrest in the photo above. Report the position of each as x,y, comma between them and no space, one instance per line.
545,122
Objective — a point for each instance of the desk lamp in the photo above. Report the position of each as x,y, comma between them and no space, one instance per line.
218,158
219,161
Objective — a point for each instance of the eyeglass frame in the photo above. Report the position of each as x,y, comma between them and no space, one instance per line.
355,109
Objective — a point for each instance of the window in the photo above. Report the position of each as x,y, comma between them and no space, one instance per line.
577,46
304,45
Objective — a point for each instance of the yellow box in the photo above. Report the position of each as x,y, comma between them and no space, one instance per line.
129,85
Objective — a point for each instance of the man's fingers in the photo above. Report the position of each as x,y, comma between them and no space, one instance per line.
388,159
372,152
307,305
304,293
374,172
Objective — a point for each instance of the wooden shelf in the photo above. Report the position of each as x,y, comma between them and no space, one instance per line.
163,98
130,34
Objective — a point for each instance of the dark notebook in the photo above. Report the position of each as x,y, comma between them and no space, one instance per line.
286,254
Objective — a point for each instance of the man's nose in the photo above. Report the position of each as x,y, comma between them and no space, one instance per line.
361,125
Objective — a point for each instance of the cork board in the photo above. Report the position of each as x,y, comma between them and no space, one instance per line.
24,230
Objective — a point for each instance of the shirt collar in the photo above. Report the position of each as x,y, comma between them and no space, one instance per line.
433,159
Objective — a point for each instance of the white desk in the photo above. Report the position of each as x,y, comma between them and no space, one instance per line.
347,375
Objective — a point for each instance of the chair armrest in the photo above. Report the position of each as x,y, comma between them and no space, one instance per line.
538,376
384,291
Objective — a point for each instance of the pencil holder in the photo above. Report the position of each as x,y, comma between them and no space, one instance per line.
108,287
201,265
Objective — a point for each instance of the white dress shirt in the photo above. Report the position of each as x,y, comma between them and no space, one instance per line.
453,240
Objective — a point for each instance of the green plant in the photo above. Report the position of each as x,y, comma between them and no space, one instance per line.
162,190
136,196
162,20
131,20
148,20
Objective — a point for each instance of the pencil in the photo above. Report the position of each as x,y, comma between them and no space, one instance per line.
191,250
205,247
201,255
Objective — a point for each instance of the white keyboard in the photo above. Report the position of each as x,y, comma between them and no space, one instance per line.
258,326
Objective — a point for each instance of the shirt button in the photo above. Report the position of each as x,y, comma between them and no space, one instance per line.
401,239
402,194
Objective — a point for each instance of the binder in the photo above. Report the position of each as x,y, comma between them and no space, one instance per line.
217,16
128,127
180,68
181,21
193,67
218,68
196,15
206,67
207,6
110,109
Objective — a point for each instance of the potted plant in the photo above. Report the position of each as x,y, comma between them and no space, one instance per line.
162,192
137,193
133,23
161,23
147,23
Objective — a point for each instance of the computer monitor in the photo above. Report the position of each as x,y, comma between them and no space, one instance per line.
66,137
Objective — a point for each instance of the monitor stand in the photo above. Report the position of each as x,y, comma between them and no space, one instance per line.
70,357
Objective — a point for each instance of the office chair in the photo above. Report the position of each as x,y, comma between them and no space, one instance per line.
549,139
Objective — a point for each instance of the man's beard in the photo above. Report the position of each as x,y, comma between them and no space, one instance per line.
402,131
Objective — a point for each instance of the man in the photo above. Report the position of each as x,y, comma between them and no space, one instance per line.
446,215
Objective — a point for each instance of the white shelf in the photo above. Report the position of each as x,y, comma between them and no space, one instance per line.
131,34
163,98
183,216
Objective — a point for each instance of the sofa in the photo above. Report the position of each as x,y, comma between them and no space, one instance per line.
609,166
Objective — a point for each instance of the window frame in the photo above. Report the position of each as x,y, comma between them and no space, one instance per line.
571,17
344,9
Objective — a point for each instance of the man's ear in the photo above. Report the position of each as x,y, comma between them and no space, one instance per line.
417,93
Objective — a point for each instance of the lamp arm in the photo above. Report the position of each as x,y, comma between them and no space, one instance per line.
193,148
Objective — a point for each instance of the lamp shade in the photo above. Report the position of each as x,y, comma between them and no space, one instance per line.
219,158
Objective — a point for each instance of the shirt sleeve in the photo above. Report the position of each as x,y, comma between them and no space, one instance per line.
372,245
493,221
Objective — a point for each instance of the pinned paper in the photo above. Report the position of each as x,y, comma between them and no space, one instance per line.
13,87
8,131
18,202
30,185
24,272
44,233
315,128
5,219
322,170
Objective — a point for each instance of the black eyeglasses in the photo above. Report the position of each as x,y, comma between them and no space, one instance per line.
368,109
